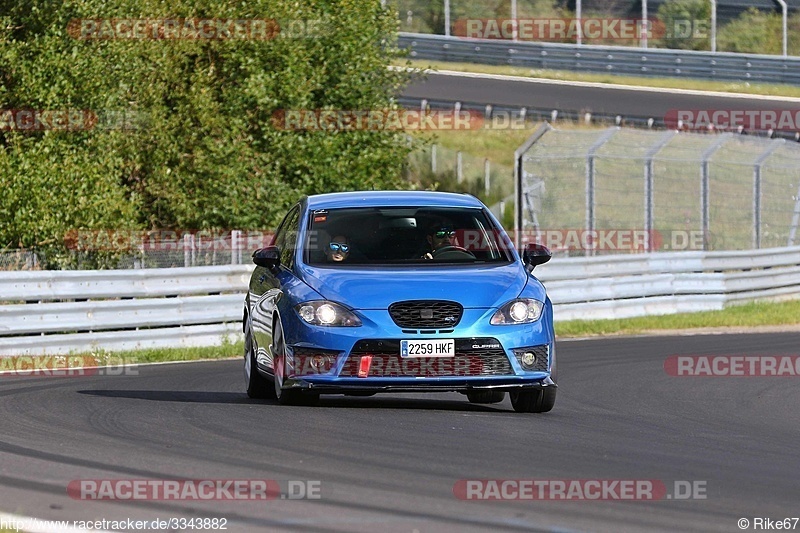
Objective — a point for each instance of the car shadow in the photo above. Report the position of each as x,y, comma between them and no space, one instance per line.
174,396
395,402
331,401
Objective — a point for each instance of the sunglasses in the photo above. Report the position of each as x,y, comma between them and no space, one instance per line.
337,246
441,234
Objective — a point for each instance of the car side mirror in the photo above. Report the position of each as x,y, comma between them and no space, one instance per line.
267,257
535,254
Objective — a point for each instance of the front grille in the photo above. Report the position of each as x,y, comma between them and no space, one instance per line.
541,362
426,313
468,361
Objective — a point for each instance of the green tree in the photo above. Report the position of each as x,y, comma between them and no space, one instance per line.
759,32
204,151
684,24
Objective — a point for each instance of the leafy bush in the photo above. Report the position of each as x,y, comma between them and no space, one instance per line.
759,32
204,152
686,23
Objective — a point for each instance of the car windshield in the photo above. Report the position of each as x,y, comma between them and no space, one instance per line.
404,235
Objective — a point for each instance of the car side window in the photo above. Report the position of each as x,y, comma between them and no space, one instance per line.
280,232
286,238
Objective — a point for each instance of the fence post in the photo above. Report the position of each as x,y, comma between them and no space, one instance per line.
487,184
519,175
187,250
795,219
447,18
235,259
433,158
713,26
704,185
590,175
774,145
648,187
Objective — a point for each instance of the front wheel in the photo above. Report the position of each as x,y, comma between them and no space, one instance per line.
257,385
534,400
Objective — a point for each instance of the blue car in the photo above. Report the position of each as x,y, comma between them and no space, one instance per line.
367,292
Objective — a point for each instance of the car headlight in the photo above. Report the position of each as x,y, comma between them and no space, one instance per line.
325,313
519,311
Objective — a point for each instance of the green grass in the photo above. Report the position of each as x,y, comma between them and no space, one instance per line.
160,355
496,145
741,316
775,89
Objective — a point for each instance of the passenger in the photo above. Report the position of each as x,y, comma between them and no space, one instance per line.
338,249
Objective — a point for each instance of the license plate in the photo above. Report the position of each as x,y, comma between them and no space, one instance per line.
429,348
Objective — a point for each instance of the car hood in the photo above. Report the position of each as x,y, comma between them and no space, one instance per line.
377,288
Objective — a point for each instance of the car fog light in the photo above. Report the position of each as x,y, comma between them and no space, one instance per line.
528,359
318,362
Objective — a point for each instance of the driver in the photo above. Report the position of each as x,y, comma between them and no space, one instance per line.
439,236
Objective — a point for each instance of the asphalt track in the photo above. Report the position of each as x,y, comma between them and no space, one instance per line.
573,97
389,463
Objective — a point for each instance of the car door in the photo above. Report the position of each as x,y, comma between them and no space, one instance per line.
266,287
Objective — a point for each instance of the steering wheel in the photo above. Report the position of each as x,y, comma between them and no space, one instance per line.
453,252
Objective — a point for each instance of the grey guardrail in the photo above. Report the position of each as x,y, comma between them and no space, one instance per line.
62,312
608,59
54,312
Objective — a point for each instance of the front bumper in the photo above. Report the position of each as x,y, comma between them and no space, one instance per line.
377,366
399,385
485,356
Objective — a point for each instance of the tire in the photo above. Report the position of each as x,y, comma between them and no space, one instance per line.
486,396
285,396
257,385
534,400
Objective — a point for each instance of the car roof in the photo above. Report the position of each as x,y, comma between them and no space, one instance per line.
392,199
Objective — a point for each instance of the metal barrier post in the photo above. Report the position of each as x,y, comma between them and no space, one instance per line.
519,174
486,176
590,176
648,186
757,190
795,219
447,18
704,185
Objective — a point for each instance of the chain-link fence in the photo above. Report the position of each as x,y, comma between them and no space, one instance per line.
456,171
19,260
133,249
658,190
